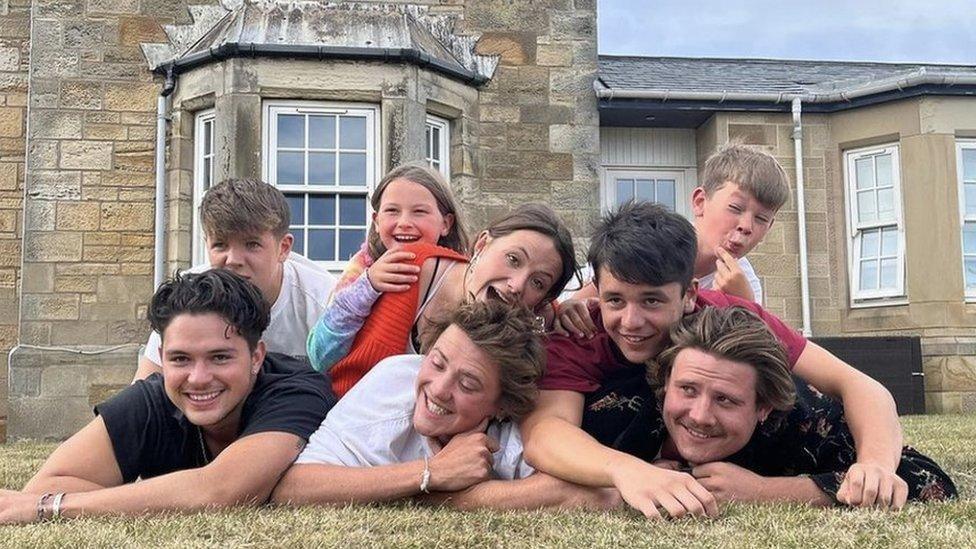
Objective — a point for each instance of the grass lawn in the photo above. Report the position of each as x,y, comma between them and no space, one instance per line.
950,440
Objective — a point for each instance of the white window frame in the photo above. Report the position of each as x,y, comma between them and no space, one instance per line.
272,108
961,145
880,297
443,147
201,119
682,190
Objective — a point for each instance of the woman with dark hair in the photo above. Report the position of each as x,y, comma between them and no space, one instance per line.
525,258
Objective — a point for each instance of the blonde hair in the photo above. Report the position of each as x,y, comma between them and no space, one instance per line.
755,171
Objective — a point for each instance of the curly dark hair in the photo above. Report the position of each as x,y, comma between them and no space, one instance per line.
218,291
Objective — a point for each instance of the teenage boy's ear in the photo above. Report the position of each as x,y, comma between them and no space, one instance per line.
690,297
284,247
257,357
698,198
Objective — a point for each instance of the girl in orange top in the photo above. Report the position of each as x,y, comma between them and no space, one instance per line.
525,258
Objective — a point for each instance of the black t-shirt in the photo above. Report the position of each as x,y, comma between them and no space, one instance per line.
152,437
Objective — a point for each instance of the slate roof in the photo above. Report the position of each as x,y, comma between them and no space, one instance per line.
755,75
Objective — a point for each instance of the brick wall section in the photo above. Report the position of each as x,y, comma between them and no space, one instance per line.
14,59
538,122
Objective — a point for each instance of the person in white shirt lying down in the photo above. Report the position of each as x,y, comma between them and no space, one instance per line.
441,425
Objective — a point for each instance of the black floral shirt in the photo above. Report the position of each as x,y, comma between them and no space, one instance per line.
812,439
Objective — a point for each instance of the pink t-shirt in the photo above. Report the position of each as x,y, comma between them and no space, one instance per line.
581,365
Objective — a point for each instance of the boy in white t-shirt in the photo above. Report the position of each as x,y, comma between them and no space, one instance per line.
245,222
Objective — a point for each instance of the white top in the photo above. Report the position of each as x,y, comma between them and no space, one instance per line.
707,282
373,425
305,288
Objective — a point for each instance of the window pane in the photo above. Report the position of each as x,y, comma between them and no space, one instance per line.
869,275
291,168
864,173
665,193
884,172
299,245
321,210
291,130
352,210
886,204
296,202
436,140
352,132
321,168
349,242
970,191
207,172
321,244
427,139
625,190
352,169
969,238
869,243
969,164
889,273
889,242
644,190
208,137
970,272
321,132
867,210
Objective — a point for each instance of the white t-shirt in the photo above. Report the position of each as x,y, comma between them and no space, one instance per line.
305,288
373,425
707,282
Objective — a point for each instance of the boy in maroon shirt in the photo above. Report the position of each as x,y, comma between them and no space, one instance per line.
643,260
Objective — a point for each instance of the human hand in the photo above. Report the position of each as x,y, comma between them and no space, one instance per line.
464,461
646,487
869,484
729,277
17,507
669,464
728,482
390,273
574,318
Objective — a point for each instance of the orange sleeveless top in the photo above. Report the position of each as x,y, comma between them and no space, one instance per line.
387,329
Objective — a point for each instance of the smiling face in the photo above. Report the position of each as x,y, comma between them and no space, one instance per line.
637,317
519,267
458,387
710,407
731,219
208,370
258,258
408,213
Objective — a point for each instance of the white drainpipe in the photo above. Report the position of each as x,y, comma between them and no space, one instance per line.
801,214
159,248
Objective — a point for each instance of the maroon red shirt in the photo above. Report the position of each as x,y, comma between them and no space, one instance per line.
582,365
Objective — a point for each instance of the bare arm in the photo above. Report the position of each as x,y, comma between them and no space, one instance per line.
84,462
534,492
322,483
244,473
873,421
730,482
868,406
555,444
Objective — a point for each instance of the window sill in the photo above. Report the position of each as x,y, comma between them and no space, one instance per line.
869,303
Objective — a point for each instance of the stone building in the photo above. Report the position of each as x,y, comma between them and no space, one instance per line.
508,98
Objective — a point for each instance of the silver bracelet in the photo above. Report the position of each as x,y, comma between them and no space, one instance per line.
56,507
425,478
